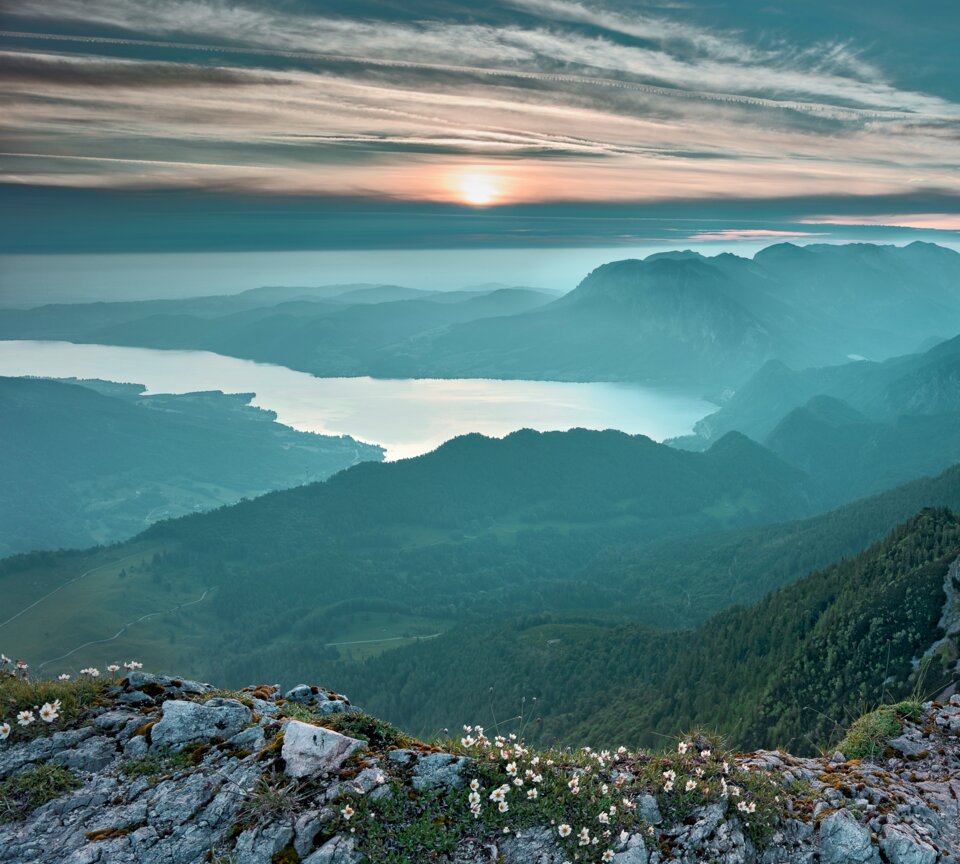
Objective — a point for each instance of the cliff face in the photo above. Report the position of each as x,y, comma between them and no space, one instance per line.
155,769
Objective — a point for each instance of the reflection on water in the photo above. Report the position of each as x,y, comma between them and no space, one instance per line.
408,417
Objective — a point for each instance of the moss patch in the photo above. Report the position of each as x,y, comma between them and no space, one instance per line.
868,736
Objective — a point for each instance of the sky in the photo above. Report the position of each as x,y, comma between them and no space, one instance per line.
201,126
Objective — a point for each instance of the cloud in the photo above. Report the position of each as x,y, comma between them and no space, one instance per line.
926,221
739,235
558,99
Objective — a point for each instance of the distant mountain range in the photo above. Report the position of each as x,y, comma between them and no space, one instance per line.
859,426
675,319
92,462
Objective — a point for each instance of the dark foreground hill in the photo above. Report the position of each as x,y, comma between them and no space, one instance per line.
782,672
91,462
152,769
479,528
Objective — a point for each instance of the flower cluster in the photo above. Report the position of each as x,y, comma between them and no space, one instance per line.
48,712
582,794
11,669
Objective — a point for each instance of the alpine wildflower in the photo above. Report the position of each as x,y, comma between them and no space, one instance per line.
564,830
4,731
49,713
25,718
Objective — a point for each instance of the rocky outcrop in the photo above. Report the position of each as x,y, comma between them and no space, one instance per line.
160,770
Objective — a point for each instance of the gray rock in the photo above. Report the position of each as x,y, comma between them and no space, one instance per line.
843,840
136,748
649,810
191,722
310,750
304,694
264,708
635,852
92,755
259,845
251,738
901,847
909,747
339,850
402,757
532,846
439,770
306,829
176,686
335,706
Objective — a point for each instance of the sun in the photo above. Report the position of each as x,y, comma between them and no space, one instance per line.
478,188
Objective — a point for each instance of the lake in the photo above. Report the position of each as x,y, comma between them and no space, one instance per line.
406,416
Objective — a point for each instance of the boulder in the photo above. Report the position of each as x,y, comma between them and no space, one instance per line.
309,750
902,847
186,723
843,840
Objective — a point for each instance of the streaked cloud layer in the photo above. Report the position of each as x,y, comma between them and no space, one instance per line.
511,102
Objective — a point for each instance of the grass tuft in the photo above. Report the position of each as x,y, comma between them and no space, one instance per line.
867,737
30,789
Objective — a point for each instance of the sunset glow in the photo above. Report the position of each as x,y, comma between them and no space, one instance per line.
478,189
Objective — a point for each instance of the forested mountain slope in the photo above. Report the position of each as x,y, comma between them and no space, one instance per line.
91,463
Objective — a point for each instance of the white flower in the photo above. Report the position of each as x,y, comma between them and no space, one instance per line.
113,667
511,768
474,784
48,713
25,718
518,782
4,731
669,775
624,836
668,786
532,794
132,664
682,747
91,671
503,806
21,665
564,830
584,836
347,812
603,819
63,677
468,741
607,856
705,754
474,798
691,785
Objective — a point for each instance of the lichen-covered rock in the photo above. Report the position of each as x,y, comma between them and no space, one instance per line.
312,750
186,722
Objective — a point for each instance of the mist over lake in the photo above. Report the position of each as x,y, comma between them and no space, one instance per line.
406,416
